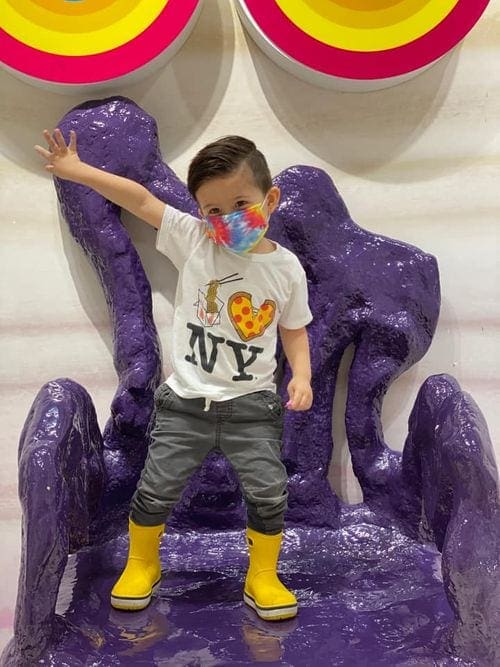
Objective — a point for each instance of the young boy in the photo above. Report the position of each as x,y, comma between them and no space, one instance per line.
236,288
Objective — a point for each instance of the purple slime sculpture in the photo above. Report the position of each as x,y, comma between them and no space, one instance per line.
367,576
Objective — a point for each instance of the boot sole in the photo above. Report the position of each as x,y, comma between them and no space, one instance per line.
134,604
271,613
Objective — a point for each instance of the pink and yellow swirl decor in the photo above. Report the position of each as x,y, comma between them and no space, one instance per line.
84,42
358,44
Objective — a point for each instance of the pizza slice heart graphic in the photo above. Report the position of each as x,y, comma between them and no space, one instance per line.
249,322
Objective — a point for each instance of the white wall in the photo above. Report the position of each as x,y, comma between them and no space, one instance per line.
419,162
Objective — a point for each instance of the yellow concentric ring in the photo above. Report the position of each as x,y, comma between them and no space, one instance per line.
96,32
54,22
73,8
367,5
364,28
367,18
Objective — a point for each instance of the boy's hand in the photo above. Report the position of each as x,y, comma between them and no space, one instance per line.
62,160
300,393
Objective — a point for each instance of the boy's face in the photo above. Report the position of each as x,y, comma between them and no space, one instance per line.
233,192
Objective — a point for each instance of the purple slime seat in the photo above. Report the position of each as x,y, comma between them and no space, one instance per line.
368,577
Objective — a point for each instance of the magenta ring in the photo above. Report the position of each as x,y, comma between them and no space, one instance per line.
306,50
122,60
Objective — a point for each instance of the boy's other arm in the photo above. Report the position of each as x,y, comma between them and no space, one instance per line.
296,346
63,162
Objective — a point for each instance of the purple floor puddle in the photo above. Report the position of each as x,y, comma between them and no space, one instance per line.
367,596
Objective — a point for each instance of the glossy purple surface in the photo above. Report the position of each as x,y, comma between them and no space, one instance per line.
368,577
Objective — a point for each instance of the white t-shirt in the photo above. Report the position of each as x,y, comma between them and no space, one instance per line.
226,312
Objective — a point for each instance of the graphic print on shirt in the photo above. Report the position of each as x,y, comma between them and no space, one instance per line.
248,321
209,306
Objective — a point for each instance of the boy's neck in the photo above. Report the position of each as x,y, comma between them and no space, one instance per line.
264,246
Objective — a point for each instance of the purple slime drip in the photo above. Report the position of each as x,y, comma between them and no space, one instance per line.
380,294
367,583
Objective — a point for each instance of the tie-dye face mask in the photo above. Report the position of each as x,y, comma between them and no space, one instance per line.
239,231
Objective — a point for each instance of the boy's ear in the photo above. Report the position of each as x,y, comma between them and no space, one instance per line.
273,198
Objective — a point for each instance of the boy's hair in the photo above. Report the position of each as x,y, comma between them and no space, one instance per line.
222,157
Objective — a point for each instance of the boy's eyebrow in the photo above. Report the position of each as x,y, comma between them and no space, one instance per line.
236,197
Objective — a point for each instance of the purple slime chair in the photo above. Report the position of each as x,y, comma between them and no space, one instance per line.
411,576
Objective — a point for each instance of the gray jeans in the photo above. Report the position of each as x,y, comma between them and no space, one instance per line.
247,430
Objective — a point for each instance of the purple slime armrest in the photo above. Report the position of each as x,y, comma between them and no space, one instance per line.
449,466
61,477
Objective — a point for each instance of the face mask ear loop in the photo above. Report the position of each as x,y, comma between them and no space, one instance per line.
267,215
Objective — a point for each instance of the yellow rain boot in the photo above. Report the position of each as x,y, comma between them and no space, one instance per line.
142,574
264,592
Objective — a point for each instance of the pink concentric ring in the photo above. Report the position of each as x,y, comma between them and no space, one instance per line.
293,42
103,66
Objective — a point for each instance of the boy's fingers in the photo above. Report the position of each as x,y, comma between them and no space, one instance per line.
301,402
50,140
59,138
300,399
72,140
43,152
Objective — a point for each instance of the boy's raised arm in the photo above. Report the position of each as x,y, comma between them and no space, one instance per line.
63,162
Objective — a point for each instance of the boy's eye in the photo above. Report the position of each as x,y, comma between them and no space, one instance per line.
213,211
241,203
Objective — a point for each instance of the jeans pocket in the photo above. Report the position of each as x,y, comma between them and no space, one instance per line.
164,396
273,404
